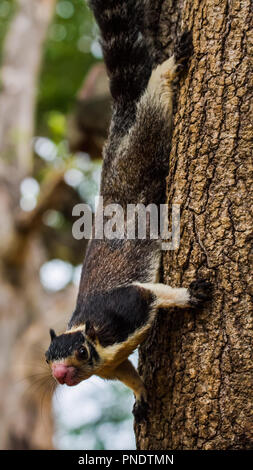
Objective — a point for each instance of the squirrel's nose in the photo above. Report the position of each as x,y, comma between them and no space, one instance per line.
64,374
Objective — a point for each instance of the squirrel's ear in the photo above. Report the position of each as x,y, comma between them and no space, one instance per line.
90,331
52,334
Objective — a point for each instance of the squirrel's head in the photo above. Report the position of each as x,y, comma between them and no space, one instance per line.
71,356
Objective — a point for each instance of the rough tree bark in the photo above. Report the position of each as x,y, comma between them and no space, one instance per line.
198,365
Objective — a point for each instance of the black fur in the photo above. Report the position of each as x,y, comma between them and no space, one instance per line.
125,54
115,314
52,334
63,346
94,357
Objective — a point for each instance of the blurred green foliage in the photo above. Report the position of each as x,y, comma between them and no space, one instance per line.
104,420
67,57
69,51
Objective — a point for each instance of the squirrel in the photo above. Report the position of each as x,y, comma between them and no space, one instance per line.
120,294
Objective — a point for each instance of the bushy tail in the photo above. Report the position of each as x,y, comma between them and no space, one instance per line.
125,51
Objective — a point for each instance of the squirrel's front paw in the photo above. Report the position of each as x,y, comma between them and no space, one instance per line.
200,291
140,410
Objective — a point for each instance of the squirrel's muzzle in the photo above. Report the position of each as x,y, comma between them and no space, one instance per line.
65,374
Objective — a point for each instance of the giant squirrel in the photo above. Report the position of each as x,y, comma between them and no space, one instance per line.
119,293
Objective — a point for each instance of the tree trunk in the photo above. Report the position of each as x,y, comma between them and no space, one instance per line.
197,365
89,122
23,303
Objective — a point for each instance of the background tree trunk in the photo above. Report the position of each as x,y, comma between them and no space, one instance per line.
89,122
199,363
23,303
19,73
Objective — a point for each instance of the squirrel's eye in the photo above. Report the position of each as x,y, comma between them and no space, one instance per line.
82,353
